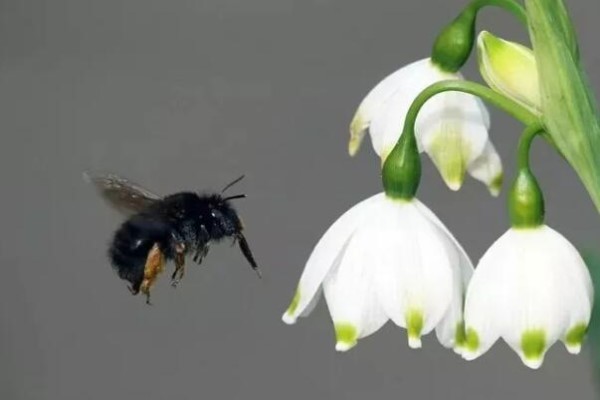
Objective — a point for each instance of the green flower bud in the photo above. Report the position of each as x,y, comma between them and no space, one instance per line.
509,68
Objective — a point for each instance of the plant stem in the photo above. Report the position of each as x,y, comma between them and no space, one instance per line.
476,89
511,6
525,199
524,146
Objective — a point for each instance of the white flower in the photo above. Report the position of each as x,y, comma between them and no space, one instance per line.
531,288
451,127
510,69
387,259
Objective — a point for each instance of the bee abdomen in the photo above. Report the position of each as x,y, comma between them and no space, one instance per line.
132,244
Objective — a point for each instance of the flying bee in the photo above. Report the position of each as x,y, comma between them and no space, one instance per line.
162,229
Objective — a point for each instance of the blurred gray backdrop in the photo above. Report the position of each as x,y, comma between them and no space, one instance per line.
189,94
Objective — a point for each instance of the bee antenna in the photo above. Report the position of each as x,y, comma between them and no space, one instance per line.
232,183
237,196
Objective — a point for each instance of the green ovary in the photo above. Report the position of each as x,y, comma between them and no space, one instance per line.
346,333
575,335
414,323
533,344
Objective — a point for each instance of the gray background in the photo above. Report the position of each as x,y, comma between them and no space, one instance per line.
188,94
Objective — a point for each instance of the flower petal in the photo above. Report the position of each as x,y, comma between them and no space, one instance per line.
453,131
378,96
579,297
483,302
324,256
487,168
450,330
387,123
414,273
538,307
351,295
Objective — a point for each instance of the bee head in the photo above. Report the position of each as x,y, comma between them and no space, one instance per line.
222,217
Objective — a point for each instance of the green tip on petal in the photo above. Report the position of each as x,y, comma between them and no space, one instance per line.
574,338
289,316
358,130
495,185
471,340
460,336
346,336
533,346
414,327
448,151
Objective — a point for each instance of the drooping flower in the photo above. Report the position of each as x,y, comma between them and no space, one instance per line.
531,288
387,259
452,127
510,69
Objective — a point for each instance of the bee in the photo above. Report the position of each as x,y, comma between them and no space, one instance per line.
162,229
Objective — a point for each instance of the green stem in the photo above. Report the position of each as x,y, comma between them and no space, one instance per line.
514,109
511,6
524,146
526,200
402,169
454,44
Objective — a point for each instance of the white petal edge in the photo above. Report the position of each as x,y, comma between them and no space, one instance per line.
350,293
387,121
487,168
446,331
323,258
376,98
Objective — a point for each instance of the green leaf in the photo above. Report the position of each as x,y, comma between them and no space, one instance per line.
570,112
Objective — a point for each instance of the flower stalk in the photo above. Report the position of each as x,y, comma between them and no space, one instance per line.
454,44
401,171
515,110
526,201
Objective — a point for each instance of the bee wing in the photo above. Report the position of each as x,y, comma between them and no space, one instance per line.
123,195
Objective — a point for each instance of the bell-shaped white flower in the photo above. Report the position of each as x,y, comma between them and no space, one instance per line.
511,69
451,127
531,288
387,259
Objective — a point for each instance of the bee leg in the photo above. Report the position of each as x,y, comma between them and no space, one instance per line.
179,265
132,290
245,248
179,272
155,263
201,253
202,245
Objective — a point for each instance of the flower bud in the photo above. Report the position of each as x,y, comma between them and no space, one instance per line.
510,69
